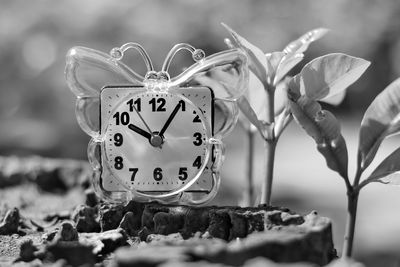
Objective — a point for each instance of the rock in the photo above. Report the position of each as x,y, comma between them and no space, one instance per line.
10,223
143,233
129,224
157,239
167,223
85,219
58,216
286,237
195,220
91,198
148,214
74,253
110,216
51,175
105,242
67,232
27,251
220,224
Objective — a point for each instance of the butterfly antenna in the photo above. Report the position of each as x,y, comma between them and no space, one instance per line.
197,54
118,52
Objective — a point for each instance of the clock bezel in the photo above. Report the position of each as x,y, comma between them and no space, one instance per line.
166,195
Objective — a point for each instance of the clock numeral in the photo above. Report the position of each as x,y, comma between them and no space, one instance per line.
198,140
118,163
118,139
134,171
157,174
183,105
135,104
122,118
158,104
197,119
197,162
183,175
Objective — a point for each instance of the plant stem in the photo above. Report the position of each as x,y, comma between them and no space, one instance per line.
270,144
250,166
352,201
269,172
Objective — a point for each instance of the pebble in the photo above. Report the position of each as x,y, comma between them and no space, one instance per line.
85,219
10,223
67,232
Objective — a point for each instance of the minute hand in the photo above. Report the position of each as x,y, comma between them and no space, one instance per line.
170,118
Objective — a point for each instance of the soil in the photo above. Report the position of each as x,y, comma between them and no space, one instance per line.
50,216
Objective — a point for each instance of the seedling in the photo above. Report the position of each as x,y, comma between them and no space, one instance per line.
265,105
381,120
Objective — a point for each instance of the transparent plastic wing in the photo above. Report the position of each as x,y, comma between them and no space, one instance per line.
87,72
225,72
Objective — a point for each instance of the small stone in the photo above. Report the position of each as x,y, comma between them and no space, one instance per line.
171,238
91,198
51,181
67,232
10,223
167,223
110,217
137,209
219,224
27,251
105,242
239,225
128,223
74,253
143,233
58,216
149,212
291,219
195,220
85,219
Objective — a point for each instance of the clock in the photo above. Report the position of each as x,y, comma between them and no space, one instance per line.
155,137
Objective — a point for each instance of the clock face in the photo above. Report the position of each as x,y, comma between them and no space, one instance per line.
155,141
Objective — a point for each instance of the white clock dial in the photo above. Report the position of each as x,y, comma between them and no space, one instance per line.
154,141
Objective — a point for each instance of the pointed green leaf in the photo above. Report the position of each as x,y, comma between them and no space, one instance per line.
386,172
250,114
381,120
324,128
301,44
258,62
286,65
335,100
329,75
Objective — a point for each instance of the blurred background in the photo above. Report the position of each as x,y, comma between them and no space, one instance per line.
37,109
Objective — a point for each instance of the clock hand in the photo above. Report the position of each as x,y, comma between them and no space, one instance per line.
144,122
170,118
140,131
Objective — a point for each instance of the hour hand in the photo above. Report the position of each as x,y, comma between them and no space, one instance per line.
171,117
140,131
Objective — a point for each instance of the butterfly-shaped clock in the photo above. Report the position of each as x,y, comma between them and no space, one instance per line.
156,137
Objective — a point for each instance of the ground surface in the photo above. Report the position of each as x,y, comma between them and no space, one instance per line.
50,213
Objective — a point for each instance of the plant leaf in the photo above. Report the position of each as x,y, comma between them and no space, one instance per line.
381,120
258,62
245,107
329,75
274,59
324,128
335,100
386,172
301,44
286,64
